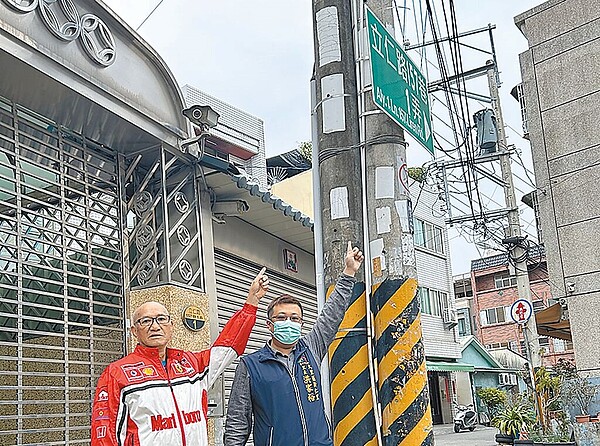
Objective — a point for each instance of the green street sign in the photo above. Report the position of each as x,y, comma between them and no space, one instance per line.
399,88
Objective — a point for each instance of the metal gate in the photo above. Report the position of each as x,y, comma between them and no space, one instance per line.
234,275
61,278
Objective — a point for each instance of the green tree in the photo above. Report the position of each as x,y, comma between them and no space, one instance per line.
494,399
418,174
547,386
305,149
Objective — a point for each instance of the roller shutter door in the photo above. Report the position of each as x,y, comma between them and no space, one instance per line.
61,278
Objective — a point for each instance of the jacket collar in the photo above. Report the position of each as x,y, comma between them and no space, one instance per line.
152,352
268,352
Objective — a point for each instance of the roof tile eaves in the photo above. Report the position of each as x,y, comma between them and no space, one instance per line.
243,182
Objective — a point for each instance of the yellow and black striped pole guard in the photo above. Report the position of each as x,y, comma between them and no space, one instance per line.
403,392
351,400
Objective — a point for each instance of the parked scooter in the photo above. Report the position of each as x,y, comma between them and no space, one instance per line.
465,418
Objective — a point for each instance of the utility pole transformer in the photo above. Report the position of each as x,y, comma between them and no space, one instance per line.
403,395
514,238
341,216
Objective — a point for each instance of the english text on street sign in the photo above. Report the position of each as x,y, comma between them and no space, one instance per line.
521,311
399,88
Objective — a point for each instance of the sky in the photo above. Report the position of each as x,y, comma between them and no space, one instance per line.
258,56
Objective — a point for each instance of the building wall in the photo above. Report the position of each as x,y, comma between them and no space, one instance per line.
434,271
464,392
487,296
427,207
303,201
562,94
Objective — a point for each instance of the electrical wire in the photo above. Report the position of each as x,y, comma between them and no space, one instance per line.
148,16
463,150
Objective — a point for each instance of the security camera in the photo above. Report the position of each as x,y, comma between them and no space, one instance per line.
233,207
202,115
570,287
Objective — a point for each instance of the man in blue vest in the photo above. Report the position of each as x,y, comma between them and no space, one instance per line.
277,390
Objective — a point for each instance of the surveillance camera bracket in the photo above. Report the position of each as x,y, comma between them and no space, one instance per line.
188,142
184,144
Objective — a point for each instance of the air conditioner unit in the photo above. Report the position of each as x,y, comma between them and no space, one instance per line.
503,378
449,316
507,379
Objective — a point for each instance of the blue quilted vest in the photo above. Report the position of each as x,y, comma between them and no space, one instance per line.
287,411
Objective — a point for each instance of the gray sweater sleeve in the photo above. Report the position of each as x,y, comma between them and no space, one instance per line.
238,423
328,322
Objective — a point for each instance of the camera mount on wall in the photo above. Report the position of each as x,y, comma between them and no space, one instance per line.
204,117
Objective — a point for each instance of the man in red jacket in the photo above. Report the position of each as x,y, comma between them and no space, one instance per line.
158,395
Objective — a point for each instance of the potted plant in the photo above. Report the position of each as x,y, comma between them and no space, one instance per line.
577,390
515,417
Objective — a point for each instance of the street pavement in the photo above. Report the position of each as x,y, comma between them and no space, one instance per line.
482,436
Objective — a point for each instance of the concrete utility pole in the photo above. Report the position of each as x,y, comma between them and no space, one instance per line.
342,215
402,377
514,238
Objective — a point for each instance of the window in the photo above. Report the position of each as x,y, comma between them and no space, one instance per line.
436,308
438,239
432,301
492,316
462,327
440,300
419,235
428,236
504,280
461,294
425,303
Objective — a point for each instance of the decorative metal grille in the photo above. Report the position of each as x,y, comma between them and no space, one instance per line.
61,278
163,220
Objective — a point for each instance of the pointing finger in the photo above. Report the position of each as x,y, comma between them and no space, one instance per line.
262,271
349,246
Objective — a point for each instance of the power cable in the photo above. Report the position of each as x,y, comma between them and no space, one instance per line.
148,16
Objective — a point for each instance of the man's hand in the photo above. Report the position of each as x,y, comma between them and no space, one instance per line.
353,260
258,288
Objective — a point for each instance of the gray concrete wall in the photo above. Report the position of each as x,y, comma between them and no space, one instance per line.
562,96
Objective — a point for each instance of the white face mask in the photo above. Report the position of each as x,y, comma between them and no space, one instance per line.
287,332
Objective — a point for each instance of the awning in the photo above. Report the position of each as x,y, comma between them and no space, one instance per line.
550,323
436,366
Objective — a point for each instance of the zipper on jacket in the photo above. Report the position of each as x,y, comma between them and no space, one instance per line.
181,427
299,403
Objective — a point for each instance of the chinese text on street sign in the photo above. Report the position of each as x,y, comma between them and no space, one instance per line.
521,311
399,88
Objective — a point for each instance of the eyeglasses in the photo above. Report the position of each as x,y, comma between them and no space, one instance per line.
146,322
282,317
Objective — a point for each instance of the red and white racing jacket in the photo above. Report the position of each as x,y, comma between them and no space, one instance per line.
139,402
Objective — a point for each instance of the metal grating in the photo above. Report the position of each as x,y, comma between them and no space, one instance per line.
163,219
61,278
